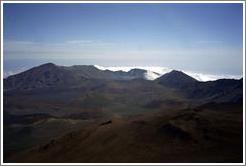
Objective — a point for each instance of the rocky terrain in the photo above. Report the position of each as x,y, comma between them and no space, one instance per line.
84,114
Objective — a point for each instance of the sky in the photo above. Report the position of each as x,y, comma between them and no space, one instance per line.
205,38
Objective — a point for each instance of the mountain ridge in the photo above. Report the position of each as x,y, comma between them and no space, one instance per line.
50,75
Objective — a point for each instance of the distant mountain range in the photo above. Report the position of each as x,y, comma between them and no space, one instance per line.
51,75
152,72
48,75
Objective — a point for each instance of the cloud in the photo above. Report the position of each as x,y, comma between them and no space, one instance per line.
12,72
163,70
71,49
209,42
217,59
80,42
98,49
210,77
88,43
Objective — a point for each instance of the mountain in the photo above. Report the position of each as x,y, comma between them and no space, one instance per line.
137,73
50,75
222,90
46,75
176,79
103,116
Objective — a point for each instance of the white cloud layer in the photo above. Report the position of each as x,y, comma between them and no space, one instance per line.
154,72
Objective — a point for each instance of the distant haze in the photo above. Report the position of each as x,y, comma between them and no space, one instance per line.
197,38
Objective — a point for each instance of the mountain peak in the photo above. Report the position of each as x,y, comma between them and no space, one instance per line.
176,79
179,75
137,71
176,72
48,65
44,67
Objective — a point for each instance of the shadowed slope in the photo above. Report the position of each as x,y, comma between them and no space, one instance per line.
204,134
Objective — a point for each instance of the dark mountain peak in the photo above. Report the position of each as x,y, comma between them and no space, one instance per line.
44,66
43,76
178,76
47,69
137,71
176,79
48,65
176,72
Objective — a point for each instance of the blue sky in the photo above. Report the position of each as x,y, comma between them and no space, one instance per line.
199,37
